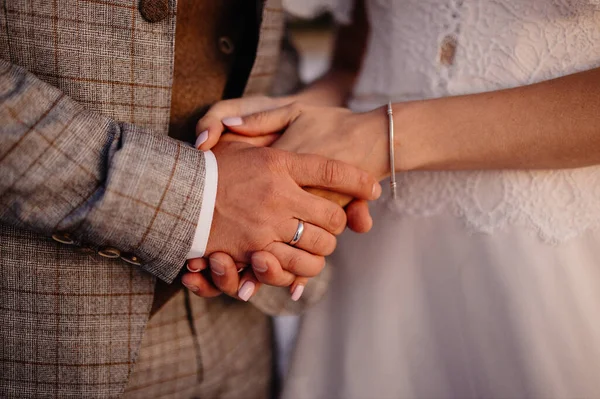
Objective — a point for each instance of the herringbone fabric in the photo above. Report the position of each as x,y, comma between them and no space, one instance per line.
85,91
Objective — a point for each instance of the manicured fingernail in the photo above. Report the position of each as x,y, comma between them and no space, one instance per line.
191,287
217,267
232,121
376,190
202,137
297,293
259,264
246,291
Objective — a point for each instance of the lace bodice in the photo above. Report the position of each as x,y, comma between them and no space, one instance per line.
433,48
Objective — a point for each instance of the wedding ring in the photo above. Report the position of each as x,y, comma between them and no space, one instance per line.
298,234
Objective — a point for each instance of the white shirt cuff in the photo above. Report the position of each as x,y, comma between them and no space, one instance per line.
208,207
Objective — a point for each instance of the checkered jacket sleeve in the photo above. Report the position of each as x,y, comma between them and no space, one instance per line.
65,169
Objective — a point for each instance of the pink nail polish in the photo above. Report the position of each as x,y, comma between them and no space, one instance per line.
232,121
202,137
297,293
246,291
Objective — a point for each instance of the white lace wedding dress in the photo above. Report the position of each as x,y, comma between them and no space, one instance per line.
472,284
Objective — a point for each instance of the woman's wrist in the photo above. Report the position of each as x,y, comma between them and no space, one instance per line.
369,129
410,141
331,90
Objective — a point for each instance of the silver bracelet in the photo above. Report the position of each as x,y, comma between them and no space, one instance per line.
390,114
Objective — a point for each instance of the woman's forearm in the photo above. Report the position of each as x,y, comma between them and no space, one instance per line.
334,88
549,125
331,90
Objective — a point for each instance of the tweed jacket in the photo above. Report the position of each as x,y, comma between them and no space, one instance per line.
97,202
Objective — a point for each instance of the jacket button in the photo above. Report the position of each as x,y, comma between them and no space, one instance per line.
132,259
109,252
226,45
154,10
63,238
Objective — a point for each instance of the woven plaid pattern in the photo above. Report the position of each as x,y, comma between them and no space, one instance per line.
100,53
269,44
228,354
71,323
83,150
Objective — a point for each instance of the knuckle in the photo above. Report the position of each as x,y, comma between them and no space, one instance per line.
316,243
323,243
366,181
337,220
220,107
294,264
272,158
270,191
260,117
332,172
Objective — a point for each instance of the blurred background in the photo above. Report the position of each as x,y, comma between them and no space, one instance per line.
313,38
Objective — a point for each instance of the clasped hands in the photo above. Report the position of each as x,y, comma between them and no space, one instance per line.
282,162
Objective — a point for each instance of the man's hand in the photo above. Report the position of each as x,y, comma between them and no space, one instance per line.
260,199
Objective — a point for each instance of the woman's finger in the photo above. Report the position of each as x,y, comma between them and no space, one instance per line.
264,122
249,285
208,132
211,127
258,141
297,288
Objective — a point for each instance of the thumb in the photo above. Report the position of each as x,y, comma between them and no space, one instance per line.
264,122
208,132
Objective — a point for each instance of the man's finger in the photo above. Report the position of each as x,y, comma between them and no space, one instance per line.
199,285
224,273
359,218
267,269
292,261
264,122
310,170
314,239
317,211
196,265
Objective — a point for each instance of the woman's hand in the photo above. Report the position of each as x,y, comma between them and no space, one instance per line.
210,128
337,133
